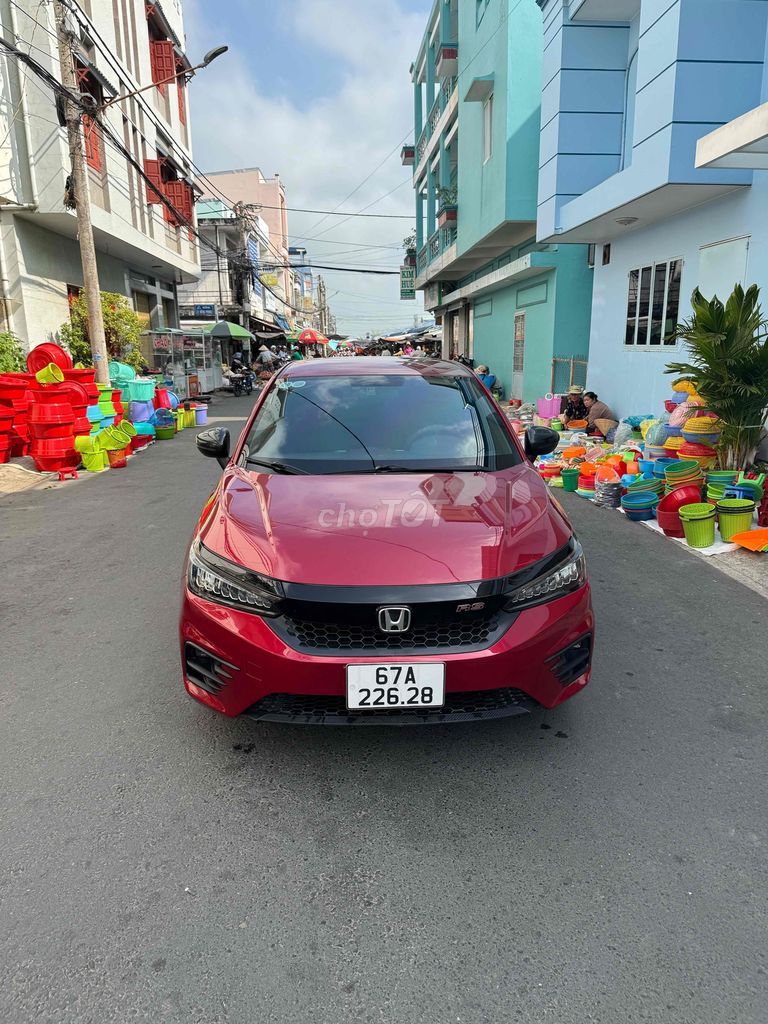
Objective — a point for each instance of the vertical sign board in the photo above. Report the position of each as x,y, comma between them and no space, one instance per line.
407,282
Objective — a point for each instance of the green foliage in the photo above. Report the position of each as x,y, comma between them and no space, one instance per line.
728,353
11,355
447,195
122,328
409,242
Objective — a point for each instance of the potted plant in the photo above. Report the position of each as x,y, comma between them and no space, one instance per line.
728,364
409,244
447,209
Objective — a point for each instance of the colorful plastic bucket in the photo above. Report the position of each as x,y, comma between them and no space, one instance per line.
50,374
698,522
201,415
570,477
95,462
734,516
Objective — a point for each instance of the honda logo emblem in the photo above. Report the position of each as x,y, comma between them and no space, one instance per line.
394,619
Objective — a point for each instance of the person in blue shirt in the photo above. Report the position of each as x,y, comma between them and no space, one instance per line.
487,378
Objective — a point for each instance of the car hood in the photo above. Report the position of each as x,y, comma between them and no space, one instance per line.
388,530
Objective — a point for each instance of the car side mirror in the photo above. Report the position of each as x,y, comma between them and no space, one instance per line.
215,444
540,441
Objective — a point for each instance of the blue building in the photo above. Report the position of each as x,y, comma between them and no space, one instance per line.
652,140
516,304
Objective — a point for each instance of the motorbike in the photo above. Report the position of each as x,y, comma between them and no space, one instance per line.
242,383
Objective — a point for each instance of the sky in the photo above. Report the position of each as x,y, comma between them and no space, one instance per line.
318,91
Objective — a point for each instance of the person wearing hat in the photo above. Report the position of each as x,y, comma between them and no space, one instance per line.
574,408
265,357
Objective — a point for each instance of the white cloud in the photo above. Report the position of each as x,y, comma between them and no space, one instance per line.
326,145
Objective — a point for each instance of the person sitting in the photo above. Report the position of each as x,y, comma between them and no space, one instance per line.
575,409
486,377
600,419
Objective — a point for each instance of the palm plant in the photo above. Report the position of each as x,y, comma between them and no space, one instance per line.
728,353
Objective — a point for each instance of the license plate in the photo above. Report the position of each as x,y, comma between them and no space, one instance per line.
378,687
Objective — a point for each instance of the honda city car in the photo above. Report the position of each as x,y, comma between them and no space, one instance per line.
380,549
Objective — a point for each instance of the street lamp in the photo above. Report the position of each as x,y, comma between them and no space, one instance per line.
187,73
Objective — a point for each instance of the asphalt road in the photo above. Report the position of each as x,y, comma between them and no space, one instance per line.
160,863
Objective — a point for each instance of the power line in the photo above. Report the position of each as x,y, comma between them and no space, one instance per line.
332,213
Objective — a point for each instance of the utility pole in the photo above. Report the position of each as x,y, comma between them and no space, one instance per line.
96,333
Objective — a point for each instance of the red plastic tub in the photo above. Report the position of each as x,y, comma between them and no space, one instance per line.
82,376
140,441
51,413
52,446
51,431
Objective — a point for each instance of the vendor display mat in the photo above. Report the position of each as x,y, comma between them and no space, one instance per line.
720,547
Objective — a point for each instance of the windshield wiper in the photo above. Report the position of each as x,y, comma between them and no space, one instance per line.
278,467
430,469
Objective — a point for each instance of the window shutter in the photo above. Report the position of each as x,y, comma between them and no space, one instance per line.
152,171
162,60
92,143
182,100
174,190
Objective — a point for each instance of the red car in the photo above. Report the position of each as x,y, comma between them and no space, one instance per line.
380,549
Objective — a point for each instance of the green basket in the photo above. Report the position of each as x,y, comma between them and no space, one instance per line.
95,462
734,516
164,433
698,522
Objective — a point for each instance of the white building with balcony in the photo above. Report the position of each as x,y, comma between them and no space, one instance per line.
142,252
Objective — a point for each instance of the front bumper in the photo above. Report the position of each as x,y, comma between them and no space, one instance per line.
268,680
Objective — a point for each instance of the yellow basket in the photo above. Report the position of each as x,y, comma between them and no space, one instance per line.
703,425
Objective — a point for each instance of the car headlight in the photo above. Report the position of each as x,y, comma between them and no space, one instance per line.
224,582
570,574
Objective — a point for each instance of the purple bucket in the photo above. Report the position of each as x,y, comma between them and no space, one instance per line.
201,415
141,412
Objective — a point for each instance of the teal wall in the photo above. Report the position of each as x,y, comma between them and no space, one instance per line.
507,43
494,333
557,306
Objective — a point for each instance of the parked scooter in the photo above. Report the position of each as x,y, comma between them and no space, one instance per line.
242,383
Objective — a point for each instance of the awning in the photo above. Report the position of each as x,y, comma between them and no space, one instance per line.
269,335
104,82
282,323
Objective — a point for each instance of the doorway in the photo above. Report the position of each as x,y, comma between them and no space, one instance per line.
518,356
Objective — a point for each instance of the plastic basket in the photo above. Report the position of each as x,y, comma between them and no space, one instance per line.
699,532
95,462
734,516
570,479
548,407
141,390
164,433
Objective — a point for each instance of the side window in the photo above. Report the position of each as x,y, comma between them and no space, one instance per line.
653,304
488,129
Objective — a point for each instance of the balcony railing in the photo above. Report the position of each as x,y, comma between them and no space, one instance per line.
439,242
442,100
421,260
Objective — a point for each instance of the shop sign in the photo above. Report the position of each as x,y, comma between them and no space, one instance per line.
270,280
206,310
407,283
161,342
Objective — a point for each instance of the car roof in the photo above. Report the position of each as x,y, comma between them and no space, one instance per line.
375,366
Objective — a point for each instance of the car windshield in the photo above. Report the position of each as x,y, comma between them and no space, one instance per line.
377,424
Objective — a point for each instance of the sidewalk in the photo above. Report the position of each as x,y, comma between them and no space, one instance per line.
746,567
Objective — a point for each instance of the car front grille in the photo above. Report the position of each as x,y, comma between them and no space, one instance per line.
468,706
435,636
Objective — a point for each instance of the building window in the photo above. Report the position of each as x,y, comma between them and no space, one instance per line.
88,85
488,129
606,254
653,304
482,6
591,254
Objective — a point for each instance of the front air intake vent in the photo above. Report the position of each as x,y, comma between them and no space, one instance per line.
206,670
572,662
